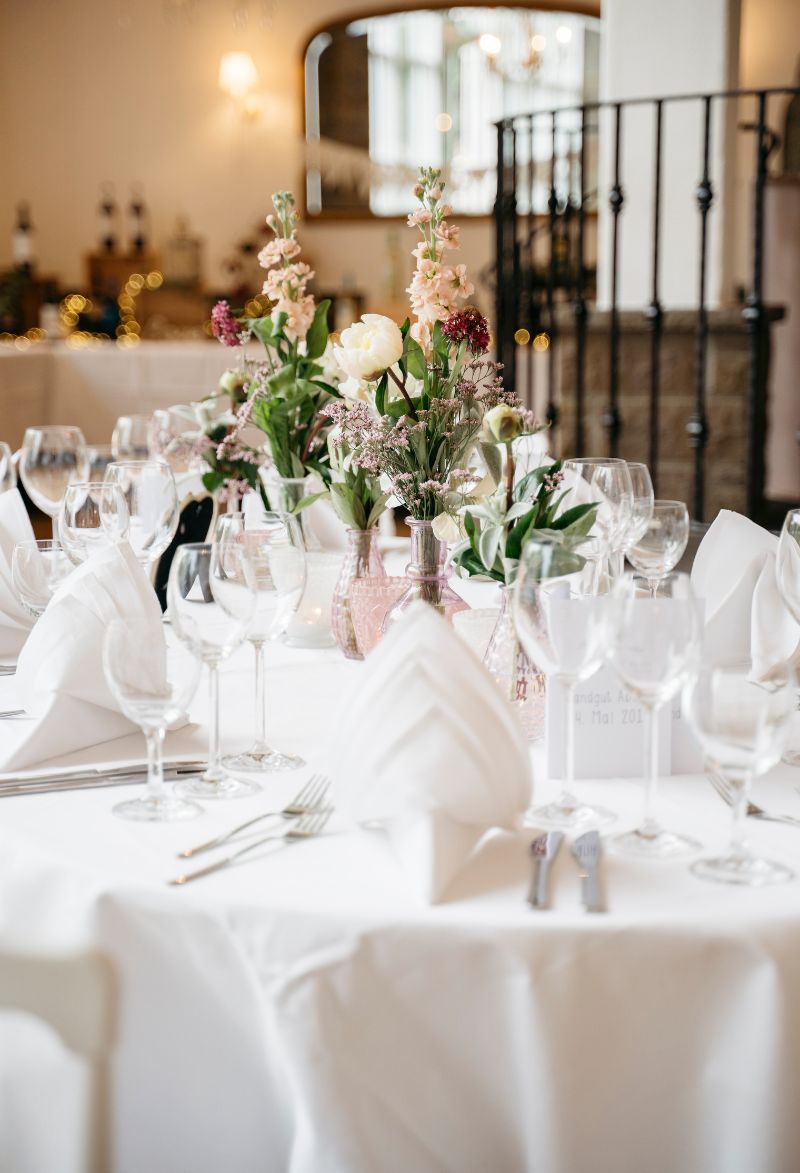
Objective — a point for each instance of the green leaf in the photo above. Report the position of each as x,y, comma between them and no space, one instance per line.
380,393
415,358
518,534
317,336
378,506
493,460
577,521
213,480
306,501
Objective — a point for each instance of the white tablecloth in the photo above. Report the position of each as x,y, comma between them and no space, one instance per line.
305,1013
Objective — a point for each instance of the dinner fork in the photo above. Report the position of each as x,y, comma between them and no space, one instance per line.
306,827
308,799
752,810
11,713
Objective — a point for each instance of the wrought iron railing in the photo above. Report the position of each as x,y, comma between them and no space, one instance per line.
532,291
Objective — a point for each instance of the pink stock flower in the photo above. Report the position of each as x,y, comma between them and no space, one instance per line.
225,326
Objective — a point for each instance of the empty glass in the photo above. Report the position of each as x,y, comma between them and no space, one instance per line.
130,438
168,441
37,569
152,682
98,457
8,473
787,571
561,623
605,480
654,645
643,501
211,604
660,547
51,459
742,724
94,515
152,500
274,548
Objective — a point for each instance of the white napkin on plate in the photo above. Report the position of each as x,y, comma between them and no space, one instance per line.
734,573
15,622
60,680
430,751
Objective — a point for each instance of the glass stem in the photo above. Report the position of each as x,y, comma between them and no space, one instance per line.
214,771
261,700
650,825
155,767
616,563
741,792
568,800
653,585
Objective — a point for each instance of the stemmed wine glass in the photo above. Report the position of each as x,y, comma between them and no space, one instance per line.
152,682
653,646
8,474
742,724
152,499
37,569
643,501
787,573
605,480
98,456
275,553
130,439
661,544
51,459
94,515
211,602
561,624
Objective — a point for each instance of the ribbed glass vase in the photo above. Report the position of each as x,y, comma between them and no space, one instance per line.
427,577
362,560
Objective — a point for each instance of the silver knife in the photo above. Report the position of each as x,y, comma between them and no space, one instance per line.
544,850
587,851
68,780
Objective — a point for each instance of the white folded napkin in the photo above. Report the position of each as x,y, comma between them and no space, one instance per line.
60,677
15,622
734,573
430,751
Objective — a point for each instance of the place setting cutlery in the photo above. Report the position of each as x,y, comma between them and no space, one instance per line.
55,781
587,852
752,809
7,669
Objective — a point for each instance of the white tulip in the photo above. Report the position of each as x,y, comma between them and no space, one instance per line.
369,347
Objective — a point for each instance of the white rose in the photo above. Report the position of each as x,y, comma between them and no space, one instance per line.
369,347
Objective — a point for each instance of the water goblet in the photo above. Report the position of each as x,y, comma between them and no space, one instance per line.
94,515
211,604
152,499
37,569
51,459
168,439
561,624
660,547
276,556
654,648
643,501
607,481
152,682
742,724
130,438
98,457
8,473
787,573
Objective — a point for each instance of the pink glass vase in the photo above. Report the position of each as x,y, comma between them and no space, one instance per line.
362,560
370,599
427,577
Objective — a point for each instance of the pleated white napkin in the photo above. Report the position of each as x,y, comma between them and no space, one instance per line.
60,677
15,622
734,573
430,751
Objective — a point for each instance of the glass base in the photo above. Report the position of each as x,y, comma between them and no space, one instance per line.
157,810
211,788
655,844
742,869
791,757
569,817
262,761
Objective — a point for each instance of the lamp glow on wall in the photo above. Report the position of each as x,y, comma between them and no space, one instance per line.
238,78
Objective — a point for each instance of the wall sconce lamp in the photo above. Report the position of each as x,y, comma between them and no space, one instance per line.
238,77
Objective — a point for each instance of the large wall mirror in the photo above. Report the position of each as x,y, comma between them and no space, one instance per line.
387,93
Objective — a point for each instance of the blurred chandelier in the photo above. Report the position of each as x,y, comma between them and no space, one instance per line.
515,61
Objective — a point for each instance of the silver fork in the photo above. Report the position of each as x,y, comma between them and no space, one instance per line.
308,799
306,827
4,713
752,810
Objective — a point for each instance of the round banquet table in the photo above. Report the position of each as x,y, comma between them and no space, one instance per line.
306,1013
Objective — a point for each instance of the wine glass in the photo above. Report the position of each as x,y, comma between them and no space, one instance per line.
275,553
211,606
98,456
152,681
643,501
52,458
660,547
561,624
654,647
94,515
605,480
787,573
152,499
130,438
168,440
37,569
8,473
742,724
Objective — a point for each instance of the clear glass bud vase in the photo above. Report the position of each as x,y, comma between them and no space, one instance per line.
362,560
284,494
520,681
427,577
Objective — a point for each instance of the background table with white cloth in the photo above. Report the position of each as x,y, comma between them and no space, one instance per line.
305,1012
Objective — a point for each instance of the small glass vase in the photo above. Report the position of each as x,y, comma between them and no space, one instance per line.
309,625
284,494
427,577
518,678
362,560
370,599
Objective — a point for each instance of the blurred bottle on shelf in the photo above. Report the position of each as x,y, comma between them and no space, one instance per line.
183,257
22,240
108,220
137,217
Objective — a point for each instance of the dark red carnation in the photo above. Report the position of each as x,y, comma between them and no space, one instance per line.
469,325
